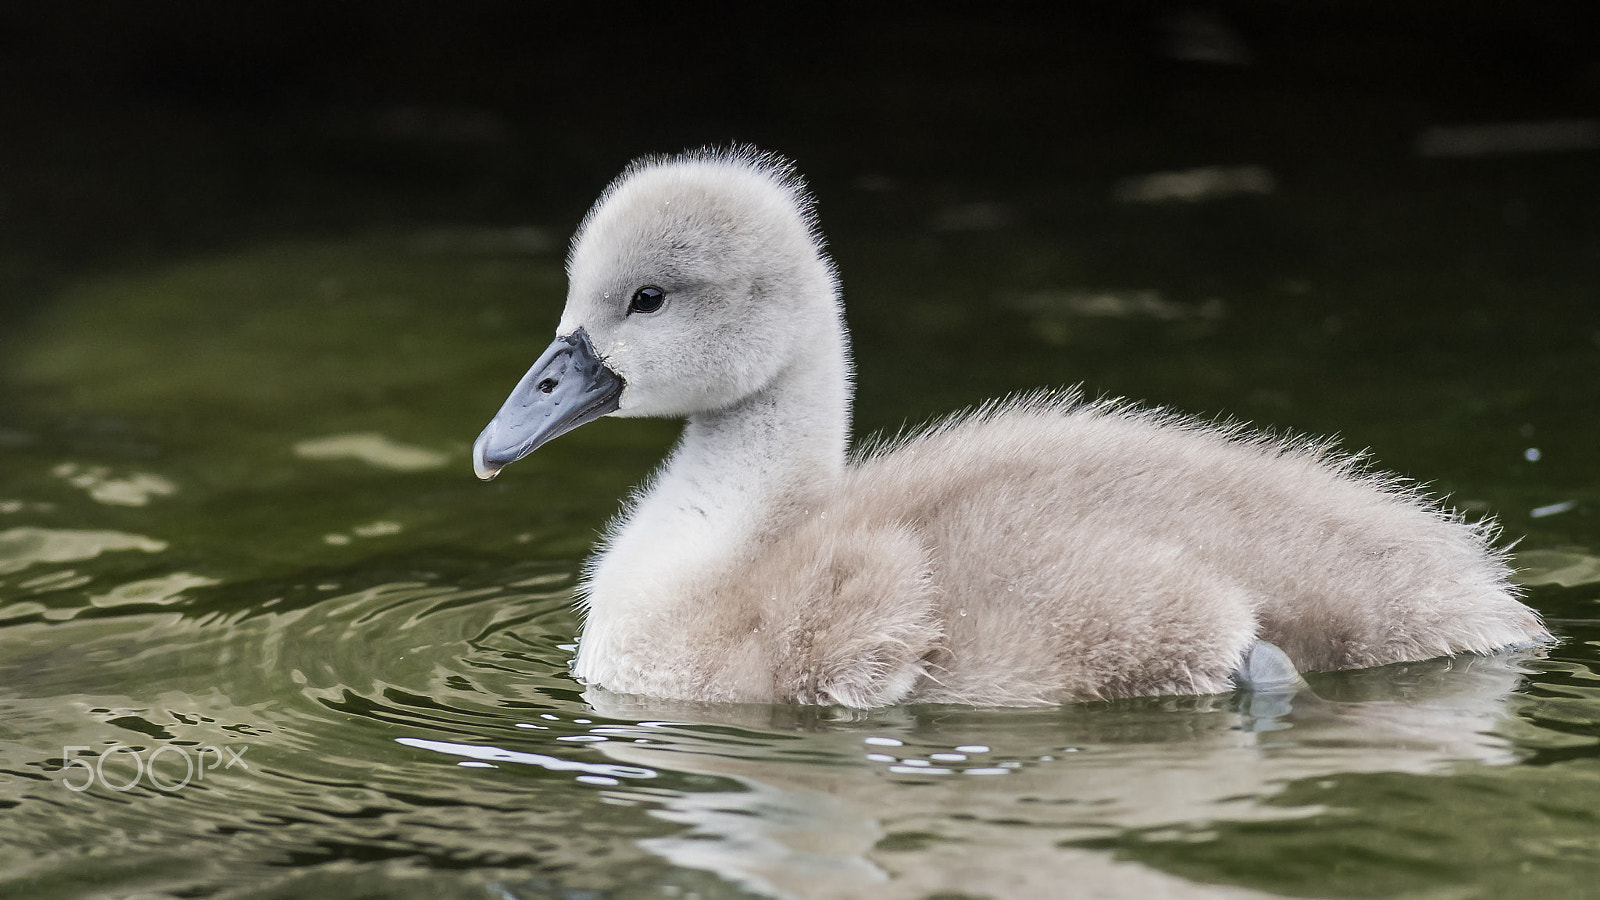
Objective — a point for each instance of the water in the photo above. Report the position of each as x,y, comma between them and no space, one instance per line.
238,530
254,603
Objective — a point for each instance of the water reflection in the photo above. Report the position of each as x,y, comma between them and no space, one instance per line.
24,547
993,801
592,773
424,726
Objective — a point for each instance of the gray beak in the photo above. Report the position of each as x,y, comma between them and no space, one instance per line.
567,387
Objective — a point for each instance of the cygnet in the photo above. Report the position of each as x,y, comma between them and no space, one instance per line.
1041,549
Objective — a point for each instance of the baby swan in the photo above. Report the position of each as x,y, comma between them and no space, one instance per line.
1038,550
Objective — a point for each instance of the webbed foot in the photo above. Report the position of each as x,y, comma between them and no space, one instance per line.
1267,669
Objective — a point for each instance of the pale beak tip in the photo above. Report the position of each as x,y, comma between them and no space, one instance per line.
481,466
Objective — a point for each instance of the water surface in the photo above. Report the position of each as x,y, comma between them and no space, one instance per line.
238,529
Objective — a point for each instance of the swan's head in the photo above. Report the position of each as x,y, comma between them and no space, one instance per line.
692,284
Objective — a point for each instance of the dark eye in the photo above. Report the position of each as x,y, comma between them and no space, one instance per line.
647,300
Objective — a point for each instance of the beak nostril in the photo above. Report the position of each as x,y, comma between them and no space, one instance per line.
565,388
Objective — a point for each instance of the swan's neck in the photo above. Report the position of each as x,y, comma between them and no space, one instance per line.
735,472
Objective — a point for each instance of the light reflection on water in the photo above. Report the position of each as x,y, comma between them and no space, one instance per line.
359,708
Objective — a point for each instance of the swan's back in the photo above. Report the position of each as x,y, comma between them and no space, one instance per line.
1067,540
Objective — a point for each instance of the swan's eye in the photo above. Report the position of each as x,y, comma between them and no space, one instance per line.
647,300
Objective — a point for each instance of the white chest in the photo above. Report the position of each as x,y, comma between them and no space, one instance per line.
643,584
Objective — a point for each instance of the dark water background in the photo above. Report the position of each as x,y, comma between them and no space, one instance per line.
264,276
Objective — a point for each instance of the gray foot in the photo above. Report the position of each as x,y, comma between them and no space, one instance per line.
1267,669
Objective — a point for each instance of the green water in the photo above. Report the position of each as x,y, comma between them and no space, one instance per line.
237,512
